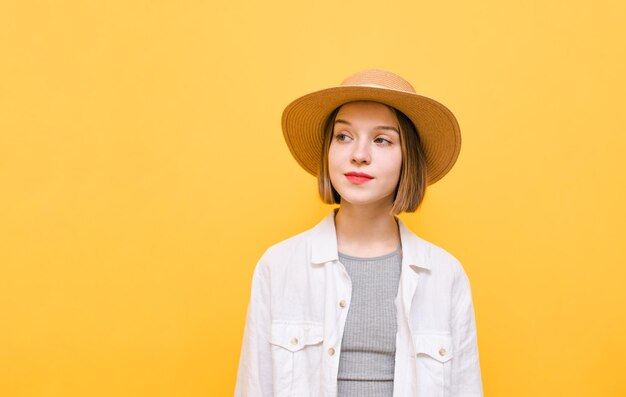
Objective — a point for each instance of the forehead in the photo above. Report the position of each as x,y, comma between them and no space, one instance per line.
367,111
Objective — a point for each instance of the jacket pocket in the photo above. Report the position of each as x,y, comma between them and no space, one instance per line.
296,357
433,357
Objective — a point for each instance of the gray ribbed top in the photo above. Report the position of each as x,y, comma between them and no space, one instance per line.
367,360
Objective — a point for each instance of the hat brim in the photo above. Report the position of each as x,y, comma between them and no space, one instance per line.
303,122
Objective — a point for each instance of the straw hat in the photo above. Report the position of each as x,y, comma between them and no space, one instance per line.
303,119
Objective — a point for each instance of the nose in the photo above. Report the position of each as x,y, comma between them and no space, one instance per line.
361,154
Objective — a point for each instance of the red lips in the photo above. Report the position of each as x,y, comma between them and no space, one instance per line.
358,177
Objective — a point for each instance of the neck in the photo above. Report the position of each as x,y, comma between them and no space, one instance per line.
366,231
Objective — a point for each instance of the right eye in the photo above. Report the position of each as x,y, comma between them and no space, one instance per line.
341,137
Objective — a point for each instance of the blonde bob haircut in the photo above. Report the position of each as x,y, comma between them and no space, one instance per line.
412,182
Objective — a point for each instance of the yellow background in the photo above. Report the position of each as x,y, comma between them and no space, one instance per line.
143,172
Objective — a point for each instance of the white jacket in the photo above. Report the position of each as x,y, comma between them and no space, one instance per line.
298,306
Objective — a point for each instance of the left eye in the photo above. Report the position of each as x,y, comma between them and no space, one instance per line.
382,140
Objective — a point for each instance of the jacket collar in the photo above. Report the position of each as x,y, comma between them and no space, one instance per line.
324,244
324,240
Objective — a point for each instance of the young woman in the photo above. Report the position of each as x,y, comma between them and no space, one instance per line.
359,305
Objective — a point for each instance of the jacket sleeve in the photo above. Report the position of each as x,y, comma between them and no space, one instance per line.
466,377
254,376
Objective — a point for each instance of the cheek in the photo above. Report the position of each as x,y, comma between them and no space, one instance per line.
399,165
394,164
393,170
334,158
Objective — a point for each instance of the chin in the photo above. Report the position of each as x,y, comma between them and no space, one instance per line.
363,201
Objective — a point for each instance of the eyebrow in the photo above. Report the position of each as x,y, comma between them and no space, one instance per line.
380,127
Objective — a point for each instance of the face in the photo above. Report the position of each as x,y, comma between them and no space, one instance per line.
365,156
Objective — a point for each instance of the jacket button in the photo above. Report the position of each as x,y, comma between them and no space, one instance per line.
294,341
442,352
331,352
343,304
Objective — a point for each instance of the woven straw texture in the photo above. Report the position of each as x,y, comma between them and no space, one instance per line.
303,120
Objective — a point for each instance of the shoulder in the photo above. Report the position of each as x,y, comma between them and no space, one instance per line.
295,245
315,245
289,262
429,255
278,261
441,257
